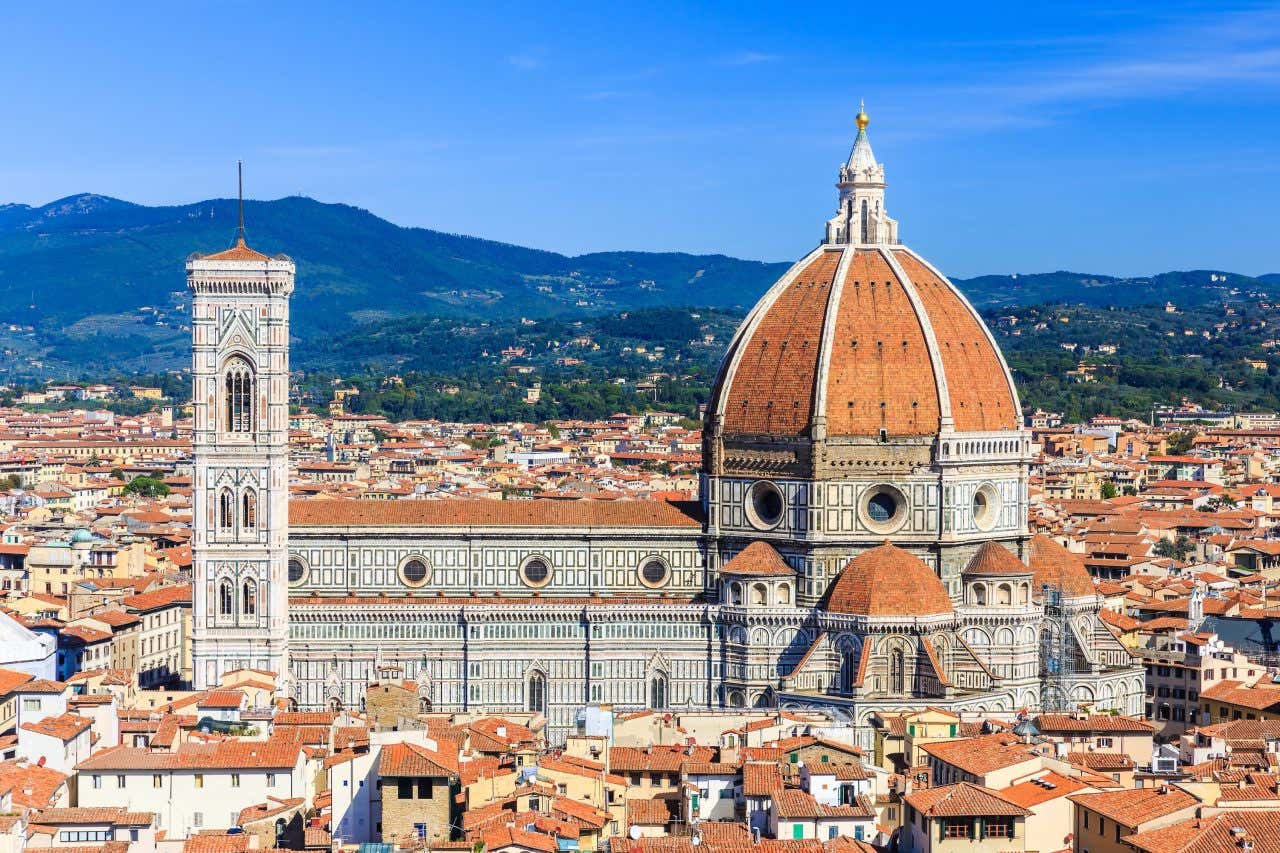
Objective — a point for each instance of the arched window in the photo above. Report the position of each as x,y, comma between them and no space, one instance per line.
226,598
759,594
980,594
848,671
249,598
866,224
784,593
658,691
735,594
536,696
1004,594
238,392
897,672
1023,592
249,509
226,510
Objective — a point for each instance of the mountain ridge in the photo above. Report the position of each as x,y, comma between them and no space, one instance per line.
89,278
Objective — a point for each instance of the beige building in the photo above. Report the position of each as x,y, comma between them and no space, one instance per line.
962,818
164,651
1106,819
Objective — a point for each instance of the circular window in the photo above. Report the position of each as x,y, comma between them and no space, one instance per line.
884,509
415,571
536,572
986,505
297,570
765,504
654,572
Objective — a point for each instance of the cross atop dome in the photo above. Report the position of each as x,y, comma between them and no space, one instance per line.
860,216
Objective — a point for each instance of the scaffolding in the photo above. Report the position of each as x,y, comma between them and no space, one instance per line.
1057,654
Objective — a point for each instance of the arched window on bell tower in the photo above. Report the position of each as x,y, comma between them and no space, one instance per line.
226,510
238,392
249,598
226,598
249,509
866,224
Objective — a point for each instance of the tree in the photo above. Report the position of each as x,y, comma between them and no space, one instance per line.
1180,442
147,487
1109,491
12,481
1176,549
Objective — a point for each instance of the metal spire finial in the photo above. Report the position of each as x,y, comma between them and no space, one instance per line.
240,186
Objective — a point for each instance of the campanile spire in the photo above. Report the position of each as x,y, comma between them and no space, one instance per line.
860,215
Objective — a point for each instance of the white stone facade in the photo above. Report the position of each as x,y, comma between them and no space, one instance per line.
240,373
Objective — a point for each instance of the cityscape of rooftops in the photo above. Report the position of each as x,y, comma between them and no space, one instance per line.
639,429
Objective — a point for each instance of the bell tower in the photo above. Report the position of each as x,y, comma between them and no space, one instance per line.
240,433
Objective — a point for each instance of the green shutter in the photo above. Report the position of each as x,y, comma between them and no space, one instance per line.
797,831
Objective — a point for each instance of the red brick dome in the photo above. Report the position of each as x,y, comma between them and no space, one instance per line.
888,581
862,339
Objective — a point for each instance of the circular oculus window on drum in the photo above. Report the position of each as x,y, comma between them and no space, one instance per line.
986,506
415,571
654,572
884,508
765,504
536,572
297,571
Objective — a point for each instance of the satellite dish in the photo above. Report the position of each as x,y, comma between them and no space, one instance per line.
634,833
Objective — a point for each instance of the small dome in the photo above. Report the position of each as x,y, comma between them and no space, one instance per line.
1055,566
994,559
888,581
758,559
81,535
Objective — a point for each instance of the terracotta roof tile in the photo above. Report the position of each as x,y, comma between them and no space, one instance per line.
1132,807
1055,566
995,559
773,389
758,559
888,581
963,799
494,513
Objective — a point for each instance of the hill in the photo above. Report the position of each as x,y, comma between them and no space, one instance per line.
89,254
90,280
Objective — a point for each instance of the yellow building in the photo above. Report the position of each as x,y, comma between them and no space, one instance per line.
1239,700
1105,819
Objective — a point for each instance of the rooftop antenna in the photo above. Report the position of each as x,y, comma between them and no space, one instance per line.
240,187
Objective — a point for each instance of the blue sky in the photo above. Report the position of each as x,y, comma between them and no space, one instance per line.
1124,137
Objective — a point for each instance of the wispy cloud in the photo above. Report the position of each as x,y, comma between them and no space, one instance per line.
1181,58
748,57
527,60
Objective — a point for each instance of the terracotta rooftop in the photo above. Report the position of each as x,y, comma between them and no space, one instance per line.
1055,566
879,373
995,559
1132,807
964,799
758,559
981,755
494,513
1225,832
888,581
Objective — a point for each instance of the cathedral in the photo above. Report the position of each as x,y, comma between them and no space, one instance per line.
860,543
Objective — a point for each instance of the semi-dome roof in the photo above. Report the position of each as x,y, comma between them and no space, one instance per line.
887,581
862,338
993,559
1056,567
